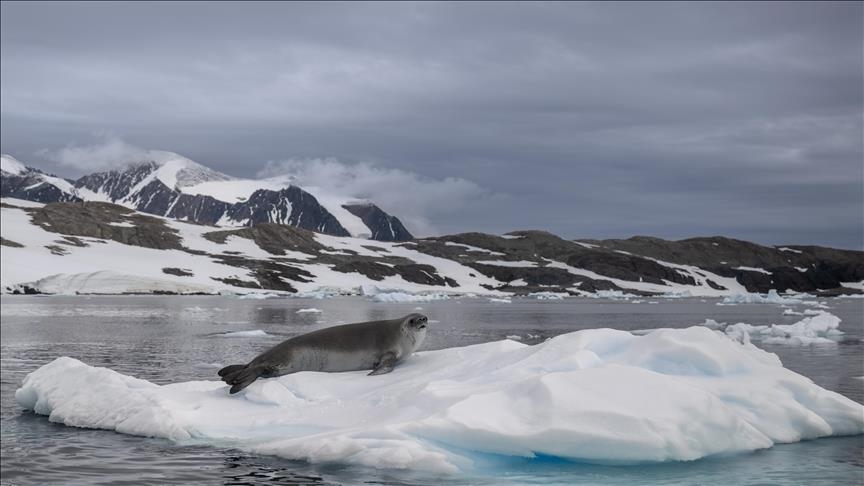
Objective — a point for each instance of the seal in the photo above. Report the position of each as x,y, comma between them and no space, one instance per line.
375,345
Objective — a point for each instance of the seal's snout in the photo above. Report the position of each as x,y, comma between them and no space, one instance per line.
419,322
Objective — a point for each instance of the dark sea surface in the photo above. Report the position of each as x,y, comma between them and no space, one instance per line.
167,339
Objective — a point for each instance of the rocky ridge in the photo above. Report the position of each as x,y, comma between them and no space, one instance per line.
268,256
162,187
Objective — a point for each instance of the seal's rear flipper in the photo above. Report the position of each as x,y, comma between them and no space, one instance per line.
385,364
240,376
230,369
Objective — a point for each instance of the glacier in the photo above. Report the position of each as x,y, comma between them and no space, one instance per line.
599,396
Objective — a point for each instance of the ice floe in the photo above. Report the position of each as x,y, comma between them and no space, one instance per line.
820,328
396,296
252,333
772,297
310,310
548,295
599,395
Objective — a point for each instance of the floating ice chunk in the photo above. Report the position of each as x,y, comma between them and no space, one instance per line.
548,295
806,312
712,324
259,296
612,294
514,337
772,297
677,294
310,310
597,395
498,300
407,297
252,333
820,328
324,293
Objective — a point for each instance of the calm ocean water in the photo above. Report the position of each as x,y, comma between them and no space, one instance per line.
167,339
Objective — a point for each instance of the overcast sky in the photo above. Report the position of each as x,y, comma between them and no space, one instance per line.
586,120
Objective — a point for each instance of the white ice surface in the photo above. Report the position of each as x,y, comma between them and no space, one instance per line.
599,395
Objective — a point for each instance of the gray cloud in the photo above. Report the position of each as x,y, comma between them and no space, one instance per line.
417,200
596,120
109,152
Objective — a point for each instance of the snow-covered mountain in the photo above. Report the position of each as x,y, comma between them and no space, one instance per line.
22,182
173,186
98,247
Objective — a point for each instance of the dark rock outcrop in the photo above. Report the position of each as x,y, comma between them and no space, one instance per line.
106,221
34,185
384,226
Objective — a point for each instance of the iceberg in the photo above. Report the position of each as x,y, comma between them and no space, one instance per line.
821,328
772,297
548,295
310,310
252,333
407,297
601,396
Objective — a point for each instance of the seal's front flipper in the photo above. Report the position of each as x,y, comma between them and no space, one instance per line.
385,364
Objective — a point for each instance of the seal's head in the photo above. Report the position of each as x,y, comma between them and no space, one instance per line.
414,326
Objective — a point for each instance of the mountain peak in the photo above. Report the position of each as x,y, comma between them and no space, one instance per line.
177,171
11,165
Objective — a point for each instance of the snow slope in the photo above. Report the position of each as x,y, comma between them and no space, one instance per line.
102,267
11,165
598,395
107,266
